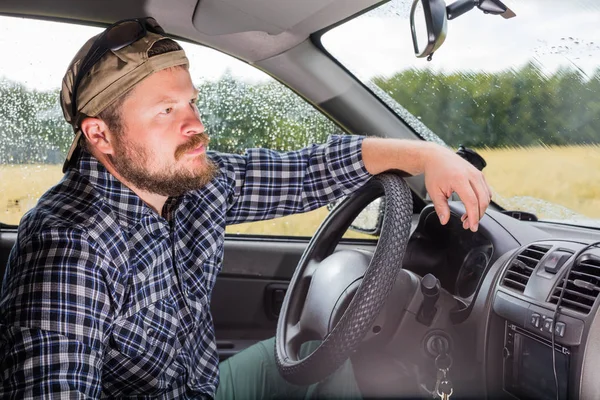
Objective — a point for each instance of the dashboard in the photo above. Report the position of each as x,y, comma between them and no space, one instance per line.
507,279
459,258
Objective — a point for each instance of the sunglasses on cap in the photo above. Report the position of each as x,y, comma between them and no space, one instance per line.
115,37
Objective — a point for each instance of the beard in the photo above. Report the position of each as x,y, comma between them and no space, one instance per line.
131,161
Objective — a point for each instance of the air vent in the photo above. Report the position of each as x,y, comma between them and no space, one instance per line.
582,288
520,269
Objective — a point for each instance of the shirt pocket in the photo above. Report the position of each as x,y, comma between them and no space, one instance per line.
129,336
151,332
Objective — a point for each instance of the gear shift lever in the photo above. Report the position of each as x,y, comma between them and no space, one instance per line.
430,288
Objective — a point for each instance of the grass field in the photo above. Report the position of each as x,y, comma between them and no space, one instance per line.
566,176
569,177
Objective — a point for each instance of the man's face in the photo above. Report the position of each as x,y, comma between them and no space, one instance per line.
162,147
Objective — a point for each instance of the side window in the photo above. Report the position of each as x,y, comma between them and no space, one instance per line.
34,136
241,107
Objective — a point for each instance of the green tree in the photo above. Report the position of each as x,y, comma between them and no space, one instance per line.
511,108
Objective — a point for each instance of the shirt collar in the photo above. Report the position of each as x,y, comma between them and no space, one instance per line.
117,195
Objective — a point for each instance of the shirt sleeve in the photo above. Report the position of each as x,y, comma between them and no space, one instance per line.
265,184
54,309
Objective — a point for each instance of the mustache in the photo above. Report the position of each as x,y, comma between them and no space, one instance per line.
195,141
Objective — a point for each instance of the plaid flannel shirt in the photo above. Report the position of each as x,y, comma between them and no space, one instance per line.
105,298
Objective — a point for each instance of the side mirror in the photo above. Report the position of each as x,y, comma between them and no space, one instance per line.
428,23
370,219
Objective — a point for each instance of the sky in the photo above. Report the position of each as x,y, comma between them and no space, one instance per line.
552,33
22,37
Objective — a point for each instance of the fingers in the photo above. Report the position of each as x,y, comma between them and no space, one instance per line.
447,173
476,201
487,187
465,221
475,196
440,203
483,198
470,199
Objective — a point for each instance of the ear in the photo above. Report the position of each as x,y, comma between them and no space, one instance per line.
98,135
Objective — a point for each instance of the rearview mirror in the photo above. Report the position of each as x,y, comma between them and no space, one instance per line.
428,24
429,20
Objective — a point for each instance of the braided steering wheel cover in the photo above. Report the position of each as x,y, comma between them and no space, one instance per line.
377,283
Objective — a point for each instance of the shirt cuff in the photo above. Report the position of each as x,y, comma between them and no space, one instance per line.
345,162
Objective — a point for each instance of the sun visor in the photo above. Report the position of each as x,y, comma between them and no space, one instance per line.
221,17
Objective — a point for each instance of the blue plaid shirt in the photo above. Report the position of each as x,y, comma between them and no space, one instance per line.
105,298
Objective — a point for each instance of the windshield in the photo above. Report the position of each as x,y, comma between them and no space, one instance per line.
523,92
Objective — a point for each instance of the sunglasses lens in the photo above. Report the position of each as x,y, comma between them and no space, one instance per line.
123,35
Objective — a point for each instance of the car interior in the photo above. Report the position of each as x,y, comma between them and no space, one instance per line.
508,311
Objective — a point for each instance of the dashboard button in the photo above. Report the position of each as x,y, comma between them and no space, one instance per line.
548,324
555,261
535,320
559,329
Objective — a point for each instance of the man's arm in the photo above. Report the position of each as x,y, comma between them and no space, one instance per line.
445,172
53,312
265,184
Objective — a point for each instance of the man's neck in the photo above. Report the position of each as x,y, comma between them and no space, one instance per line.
153,200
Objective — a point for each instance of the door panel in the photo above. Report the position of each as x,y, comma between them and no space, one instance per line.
241,302
247,290
7,240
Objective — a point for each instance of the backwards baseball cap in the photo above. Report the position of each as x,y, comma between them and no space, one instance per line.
108,66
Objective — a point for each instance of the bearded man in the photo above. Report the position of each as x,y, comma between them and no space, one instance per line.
108,286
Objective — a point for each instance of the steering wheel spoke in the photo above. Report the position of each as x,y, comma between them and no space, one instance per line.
310,319
295,337
311,269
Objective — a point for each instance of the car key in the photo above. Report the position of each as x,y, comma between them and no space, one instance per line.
445,389
441,375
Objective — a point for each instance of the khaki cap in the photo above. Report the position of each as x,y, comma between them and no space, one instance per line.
112,76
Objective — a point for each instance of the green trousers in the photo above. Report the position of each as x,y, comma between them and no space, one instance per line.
253,374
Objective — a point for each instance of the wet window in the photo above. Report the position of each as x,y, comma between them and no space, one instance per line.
524,92
241,107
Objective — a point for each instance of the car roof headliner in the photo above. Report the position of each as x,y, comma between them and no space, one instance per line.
252,30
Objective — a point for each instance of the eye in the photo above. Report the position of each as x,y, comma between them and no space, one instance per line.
194,100
167,110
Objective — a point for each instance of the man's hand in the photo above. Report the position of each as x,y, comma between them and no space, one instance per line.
445,173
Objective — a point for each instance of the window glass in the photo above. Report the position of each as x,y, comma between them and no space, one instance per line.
241,107
522,91
33,133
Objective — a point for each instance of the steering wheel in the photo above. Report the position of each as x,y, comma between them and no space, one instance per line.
336,297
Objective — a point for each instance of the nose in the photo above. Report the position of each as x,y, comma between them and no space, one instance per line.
192,124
